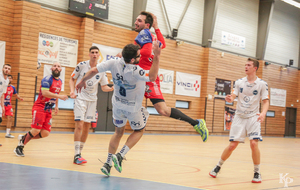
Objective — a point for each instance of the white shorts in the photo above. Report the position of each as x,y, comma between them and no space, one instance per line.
242,127
137,120
85,110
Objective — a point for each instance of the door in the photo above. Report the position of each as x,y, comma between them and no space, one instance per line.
290,122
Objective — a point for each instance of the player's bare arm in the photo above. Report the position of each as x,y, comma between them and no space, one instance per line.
49,94
106,88
19,97
265,107
56,107
72,87
92,72
155,65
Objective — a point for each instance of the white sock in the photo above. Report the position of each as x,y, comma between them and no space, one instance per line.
124,150
81,146
256,168
221,162
77,147
109,160
7,131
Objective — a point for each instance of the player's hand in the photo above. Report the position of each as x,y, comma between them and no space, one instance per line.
72,95
80,85
156,48
56,110
63,97
261,117
112,88
21,99
154,25
228,98
119,55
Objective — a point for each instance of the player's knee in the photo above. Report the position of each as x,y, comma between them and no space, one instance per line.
253,144
232,146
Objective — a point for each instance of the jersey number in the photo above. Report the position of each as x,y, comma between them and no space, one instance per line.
122,91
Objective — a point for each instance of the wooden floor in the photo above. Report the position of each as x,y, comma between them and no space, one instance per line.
182,160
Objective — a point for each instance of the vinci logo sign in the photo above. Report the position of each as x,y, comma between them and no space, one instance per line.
188,84
166,78
107,52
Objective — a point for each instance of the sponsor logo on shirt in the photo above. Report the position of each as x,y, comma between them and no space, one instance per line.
77,69
255,92
241,90
142,72
246,99
97,77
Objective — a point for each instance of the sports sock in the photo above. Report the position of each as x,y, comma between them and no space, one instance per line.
109,159
124,150
28,136
256,168
77,147
81,146
221,162
177,114
7,131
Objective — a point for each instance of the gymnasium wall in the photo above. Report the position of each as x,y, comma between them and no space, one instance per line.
20,30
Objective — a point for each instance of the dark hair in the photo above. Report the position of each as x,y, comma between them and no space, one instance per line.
149,18
255,63
6,64
93,47
10,76
129,52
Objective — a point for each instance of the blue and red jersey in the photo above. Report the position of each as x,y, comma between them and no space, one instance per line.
7,96
54,86
144,39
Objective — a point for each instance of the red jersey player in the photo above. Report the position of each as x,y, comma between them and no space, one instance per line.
42,109
143,24
7,104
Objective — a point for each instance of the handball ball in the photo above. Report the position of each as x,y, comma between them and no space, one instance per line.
39,65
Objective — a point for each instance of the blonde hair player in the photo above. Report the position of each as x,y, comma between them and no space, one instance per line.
249,90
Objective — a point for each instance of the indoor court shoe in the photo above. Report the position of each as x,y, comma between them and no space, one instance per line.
106,169
256,178
201,129
19,151
9,136
79,160
213,173
117,159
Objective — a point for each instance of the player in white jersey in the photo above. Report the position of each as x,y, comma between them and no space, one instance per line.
249,90
86,101
129,80
3,86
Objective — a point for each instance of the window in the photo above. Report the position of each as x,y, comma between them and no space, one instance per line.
152,111
270,114
182,104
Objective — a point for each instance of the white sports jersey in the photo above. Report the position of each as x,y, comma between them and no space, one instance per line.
129,81
91,90
3,84
249,96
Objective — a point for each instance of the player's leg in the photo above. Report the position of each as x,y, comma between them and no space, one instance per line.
119,120
237,134
137,122
254,133
38,119
9,116
80,107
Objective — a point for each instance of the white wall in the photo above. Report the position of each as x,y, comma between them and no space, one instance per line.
283,39
239,17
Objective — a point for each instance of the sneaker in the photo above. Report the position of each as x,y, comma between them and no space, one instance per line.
106,169
201,129
117,159
79,160
9,136
19,151
20,138
256,178
213,173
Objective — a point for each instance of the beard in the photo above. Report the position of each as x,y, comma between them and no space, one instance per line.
136,62
56,73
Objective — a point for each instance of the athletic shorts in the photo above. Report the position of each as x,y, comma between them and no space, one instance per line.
85,110
137,120
153,90
9,110
41,119
242,127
